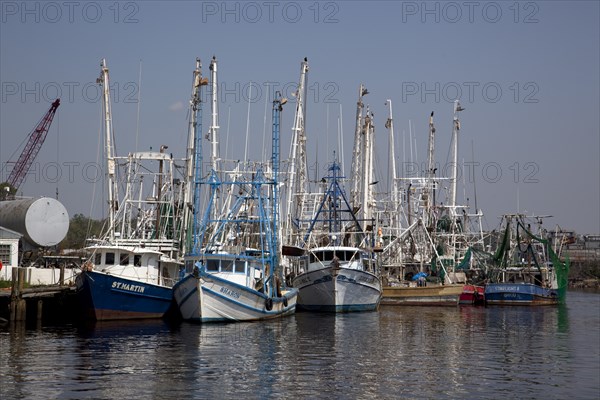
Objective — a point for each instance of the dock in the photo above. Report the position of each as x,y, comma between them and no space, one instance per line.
43,303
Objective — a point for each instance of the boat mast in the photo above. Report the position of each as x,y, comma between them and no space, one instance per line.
194,156
394,184
356,153
367,164
297,189
109,149
455,130
214,126
278,103
430,169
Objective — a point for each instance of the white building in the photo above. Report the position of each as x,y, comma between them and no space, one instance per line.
9,252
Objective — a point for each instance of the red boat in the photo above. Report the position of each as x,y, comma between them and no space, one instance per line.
472,295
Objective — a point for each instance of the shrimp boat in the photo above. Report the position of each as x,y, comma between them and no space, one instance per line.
424,237
131,270
330,260
527,271
336,276
236,276
233,270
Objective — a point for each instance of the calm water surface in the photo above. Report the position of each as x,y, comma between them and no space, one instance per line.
398,352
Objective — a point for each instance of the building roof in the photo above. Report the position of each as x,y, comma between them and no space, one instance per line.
6,233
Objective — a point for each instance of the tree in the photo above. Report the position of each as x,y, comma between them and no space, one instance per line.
7,191
81,228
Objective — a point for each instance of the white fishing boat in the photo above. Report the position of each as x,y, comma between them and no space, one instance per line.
231,287
336,277
233,270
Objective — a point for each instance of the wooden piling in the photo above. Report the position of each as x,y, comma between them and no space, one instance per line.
18,306
14,293
40,305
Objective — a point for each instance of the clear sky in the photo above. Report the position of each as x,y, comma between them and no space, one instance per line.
527,73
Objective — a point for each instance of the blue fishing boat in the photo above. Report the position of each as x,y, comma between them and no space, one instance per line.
123,291
527,271
519,294
131,269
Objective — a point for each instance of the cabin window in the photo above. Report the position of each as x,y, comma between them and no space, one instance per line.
123,259
212,265
98,258
137,260
226,266
109,258
312,258
239,266
189,265
350,255
328,255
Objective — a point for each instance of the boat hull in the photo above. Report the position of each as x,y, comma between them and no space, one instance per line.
209,298
472,295
526,294
107,297
333,289
434,295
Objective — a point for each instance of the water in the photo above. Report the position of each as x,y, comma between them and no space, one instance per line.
398,352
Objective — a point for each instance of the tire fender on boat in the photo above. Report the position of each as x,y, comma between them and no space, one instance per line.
285,302
269,304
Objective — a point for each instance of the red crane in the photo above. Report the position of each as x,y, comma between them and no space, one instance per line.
32,148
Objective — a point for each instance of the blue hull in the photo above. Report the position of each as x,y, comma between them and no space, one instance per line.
519,294
108,297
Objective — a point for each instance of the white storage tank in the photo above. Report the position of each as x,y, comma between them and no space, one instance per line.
43,222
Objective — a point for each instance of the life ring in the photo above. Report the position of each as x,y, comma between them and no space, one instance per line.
285,302
269,304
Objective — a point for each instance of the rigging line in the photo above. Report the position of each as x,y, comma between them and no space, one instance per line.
137,129
474,176
416,152
403,151
247,124
410,140
341,149
326,132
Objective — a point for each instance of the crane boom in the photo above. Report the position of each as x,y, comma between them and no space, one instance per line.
32,148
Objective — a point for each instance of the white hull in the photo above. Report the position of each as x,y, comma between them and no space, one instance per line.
338,290
213,299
